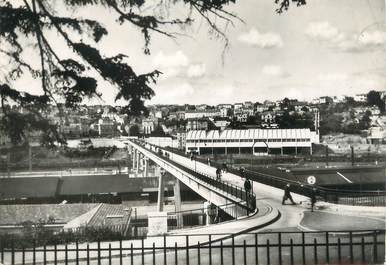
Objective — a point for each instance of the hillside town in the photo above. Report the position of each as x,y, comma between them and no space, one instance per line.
338,121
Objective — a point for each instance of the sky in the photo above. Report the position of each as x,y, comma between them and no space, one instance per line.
327,47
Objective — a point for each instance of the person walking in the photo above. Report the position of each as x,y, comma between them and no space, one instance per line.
218,174
247,186
287,195
313,198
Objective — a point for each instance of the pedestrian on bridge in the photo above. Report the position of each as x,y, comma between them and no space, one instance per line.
287,195
247,186
218,174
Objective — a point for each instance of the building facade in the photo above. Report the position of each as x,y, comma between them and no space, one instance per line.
251,141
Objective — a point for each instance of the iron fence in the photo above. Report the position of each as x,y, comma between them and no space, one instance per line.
282,248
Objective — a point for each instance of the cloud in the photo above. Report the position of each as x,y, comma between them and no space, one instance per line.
170,64
170,94
373,38
261,40
335,39
274,70
172,60
332,77
196,70
177,65
322,31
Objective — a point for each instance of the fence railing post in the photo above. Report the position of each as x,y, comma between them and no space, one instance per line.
65,254
292,251
120,252
375,246
210,249
99,252
198,253
109,253
131,254
77,253
303,248
175,254
55,254
143,251
165,261
327,249
363,250
221,253
2,251
233,249
339,251
315,251
87,254
187,249
256,249
12,253
23,256
245,252
153,253
34,253
279,248
351,249
268,253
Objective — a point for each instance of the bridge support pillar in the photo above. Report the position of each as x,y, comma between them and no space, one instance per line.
177,202
161,190
137,160
146,168
133,154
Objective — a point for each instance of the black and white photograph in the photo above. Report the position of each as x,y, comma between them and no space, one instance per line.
192,132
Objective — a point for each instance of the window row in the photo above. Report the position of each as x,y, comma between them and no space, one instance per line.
248,140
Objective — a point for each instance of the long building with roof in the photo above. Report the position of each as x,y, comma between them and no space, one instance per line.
251,141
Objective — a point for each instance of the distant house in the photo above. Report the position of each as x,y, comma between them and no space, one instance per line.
180,115
248,104
181,139
242,116
360,97
268,117
224,106
105,127
260,108
158,114
222,124
4,139
202,107
197,114
225,112
339,99
376,135
148,125
197,124
238,106
323,100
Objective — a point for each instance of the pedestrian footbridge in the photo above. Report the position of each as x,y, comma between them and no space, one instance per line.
198,177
